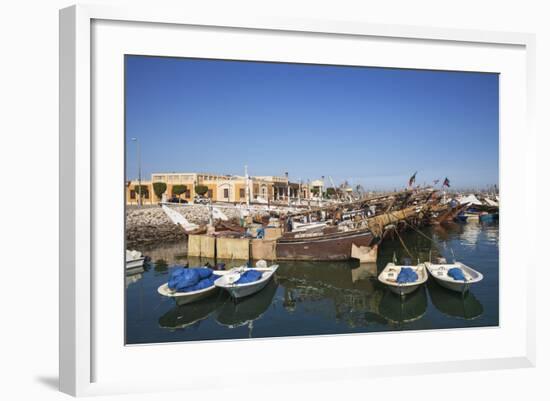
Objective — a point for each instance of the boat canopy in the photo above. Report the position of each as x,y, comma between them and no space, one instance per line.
470,199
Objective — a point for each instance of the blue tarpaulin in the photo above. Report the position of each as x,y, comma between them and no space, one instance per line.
407,275
456,273
182,279
249,276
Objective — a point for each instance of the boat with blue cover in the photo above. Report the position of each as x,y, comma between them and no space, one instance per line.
403,279
454,276
243,281
191,284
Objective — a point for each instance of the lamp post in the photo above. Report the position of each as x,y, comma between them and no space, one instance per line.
287,188
139,170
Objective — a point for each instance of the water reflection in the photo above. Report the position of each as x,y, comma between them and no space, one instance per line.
454,304
183,316
134,276
322,297
234,314
399,310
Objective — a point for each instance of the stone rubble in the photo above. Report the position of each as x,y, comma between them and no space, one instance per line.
150,225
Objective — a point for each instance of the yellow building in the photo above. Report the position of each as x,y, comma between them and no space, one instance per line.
221,188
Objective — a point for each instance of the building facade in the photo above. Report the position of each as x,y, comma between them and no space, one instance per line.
220,188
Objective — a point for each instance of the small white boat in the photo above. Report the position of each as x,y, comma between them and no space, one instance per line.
134,259
439,271
183,298
390,273
228,281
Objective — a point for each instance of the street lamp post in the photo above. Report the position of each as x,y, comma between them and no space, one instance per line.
139,170
287,189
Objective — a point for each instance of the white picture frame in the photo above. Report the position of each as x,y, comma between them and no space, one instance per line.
80,345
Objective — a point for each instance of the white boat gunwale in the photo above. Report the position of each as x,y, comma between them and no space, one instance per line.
267,273
404,288
167,292
472,276
237,291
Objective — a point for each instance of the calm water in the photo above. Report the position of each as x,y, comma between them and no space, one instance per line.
322,297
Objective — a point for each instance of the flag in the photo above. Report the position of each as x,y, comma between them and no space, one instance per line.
446,182
435,182
412,179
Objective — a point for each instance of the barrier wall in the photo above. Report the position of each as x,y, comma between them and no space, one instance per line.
233,248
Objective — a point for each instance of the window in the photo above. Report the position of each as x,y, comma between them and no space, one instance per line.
241,192
226,193
210,193
132,194
188,194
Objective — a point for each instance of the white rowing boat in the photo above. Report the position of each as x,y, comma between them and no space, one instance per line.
440,272
229,281
390,273
183,298
134,259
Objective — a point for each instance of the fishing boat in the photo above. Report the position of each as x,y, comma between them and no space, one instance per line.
454,276
322,246
403,279
134,259
461,217
183,298
486,217
235,284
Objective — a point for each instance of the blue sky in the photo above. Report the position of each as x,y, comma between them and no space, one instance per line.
370,126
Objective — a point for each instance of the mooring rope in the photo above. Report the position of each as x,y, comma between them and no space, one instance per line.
403,243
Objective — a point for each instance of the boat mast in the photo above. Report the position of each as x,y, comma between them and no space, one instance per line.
247,180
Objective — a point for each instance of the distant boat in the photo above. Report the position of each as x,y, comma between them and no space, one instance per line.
485,217
229,282
390,278
134,259
440,272
461,217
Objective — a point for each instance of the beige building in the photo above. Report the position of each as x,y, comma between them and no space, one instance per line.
221,188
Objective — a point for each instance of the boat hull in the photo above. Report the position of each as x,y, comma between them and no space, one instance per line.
196,297
484,218
404,288
336,246
455,285
134,264
183,298
238,291
241,292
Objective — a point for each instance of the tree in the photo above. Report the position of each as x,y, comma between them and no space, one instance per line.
201,189
331,191
179,189
144,190
159,188
315,191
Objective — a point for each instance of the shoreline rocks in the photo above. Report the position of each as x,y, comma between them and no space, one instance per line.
150,225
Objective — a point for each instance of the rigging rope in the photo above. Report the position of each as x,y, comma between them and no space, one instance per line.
403,243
